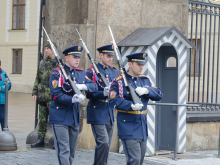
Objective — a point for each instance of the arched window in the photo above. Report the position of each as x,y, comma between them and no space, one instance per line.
171,62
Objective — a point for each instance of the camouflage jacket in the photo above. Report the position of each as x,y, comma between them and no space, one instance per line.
41,86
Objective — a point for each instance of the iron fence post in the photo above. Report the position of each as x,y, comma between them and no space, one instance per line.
6,104
176,143
219,143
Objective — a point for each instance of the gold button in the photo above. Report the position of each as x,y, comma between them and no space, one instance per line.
72,73
94,107
140,98
83,81
106,101
106,70
127,92
106,75
124,120
57,107
135,81
132,77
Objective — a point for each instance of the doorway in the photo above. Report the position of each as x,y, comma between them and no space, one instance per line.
167,80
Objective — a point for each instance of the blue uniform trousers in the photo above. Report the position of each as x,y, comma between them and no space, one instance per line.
134,150
2,115
103,137
65,139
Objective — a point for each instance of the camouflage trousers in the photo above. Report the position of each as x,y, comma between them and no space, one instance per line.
43,118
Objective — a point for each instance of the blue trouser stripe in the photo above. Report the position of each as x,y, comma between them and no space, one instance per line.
58,148
96,137
126,147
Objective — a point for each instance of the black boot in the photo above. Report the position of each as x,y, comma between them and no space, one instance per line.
38,143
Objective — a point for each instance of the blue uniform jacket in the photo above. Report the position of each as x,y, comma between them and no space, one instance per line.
2,85
98,109
62,110
132,126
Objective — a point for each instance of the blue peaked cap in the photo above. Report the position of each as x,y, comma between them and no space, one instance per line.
137,57
73,50
109,49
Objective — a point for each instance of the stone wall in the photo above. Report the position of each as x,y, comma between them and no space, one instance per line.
92,18
202,136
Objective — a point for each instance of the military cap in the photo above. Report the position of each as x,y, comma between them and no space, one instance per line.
48,45
137,57
109,49
73,50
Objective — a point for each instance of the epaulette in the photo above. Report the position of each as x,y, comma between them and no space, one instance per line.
143,76
57,68
118,78
56,71
112,66
79,69
91,67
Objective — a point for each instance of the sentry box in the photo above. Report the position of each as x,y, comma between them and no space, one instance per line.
166,68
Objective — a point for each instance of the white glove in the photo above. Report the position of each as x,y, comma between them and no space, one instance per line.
82,87
106,91
78,98
141,91
137,106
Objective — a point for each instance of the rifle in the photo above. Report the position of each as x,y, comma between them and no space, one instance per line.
124,74
93,61
61,65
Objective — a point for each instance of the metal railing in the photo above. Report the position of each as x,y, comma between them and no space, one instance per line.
203,63
204,107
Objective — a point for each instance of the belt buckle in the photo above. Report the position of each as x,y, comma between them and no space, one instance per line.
138,112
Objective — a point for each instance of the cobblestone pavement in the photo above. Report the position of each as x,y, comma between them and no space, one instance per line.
44,156
25,155
48,157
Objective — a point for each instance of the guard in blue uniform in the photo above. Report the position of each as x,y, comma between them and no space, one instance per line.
132,118
64,110
99,114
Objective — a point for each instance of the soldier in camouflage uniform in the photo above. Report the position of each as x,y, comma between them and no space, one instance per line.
41,92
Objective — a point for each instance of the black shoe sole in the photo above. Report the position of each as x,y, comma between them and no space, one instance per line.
37,146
